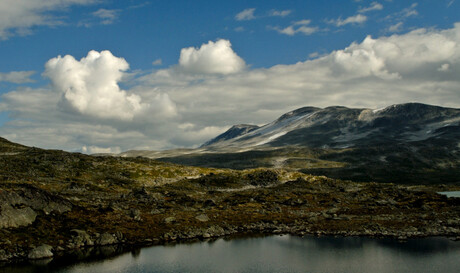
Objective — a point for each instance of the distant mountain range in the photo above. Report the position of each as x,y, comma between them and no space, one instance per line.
403,143
341,127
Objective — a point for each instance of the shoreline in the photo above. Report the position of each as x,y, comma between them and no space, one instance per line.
94,253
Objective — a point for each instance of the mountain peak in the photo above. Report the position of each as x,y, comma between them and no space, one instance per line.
233,132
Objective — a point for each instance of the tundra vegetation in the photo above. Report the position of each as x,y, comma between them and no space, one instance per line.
54,203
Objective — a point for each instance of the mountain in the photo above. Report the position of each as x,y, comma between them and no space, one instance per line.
403,143
235,131
341,127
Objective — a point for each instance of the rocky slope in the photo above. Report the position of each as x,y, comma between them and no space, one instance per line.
55,204
408,143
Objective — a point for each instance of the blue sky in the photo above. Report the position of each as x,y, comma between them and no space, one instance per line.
166,74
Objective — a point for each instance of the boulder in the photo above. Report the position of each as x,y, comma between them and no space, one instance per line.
41,252
106,239
13,217
80,237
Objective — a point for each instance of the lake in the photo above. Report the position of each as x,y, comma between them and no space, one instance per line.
450,193
278,254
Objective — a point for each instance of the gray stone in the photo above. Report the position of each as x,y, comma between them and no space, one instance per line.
169,220
202,218
80,237
57,207
12,217
215,231
106,239
41,252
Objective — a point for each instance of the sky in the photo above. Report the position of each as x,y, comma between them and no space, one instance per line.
97,76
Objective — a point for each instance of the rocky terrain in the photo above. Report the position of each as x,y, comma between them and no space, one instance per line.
409,143
55,204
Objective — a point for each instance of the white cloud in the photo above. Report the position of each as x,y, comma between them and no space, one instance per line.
211,58
247,14
192,137
403,14
17,76
280,13
17,17
410,11
372,73
100,150
90,86
444,67
107,16
365,59
396,27
356,19
372,7
422,65
313,55
301,26
157,62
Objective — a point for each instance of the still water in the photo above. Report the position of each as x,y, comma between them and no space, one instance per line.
279,254
450,193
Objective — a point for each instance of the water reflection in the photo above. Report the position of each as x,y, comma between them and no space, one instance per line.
279,254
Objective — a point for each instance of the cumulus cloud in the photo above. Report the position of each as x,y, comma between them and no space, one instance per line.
18,16
90,86
365,59
245,15
301,26
372,73
372,7
422,65
211,58
356,19
17,76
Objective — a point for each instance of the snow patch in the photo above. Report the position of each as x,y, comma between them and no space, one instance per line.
275,136
378,110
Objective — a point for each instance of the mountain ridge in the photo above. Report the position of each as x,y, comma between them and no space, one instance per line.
409,143
339,126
